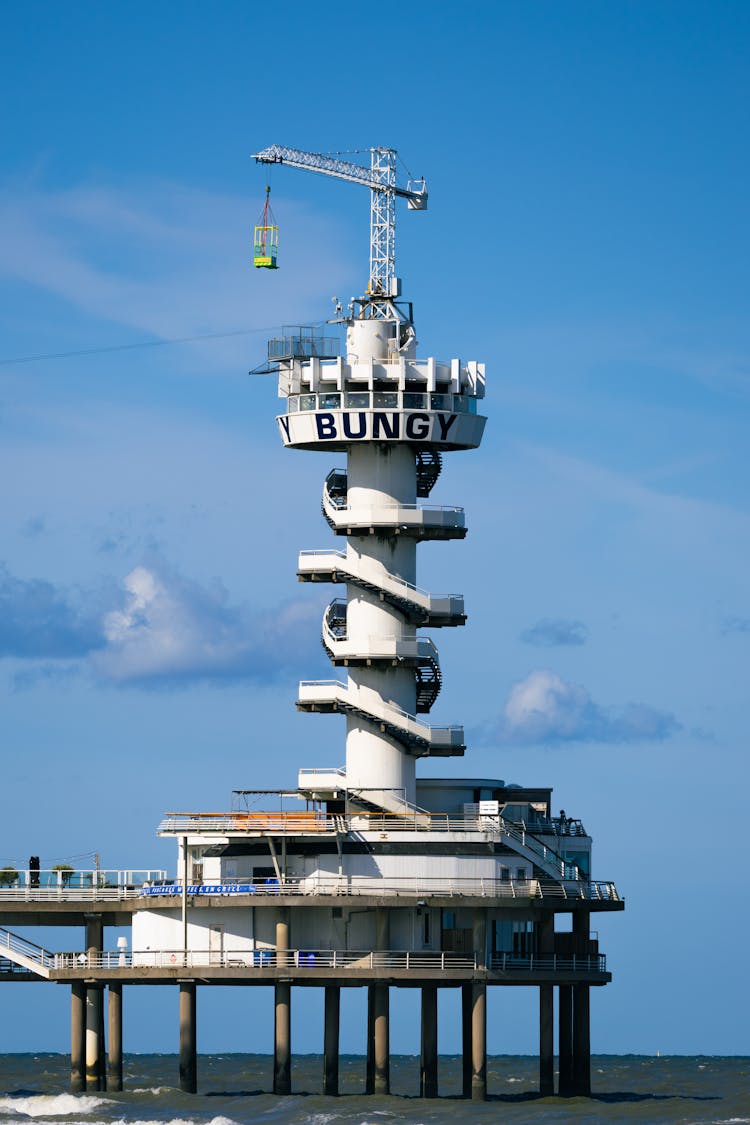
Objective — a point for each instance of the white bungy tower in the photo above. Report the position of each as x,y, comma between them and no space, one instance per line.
393,415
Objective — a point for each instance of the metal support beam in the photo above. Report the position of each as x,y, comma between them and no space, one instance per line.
77,1037
428,1076
479,1042
282,1043
581,1041
546,1041
565,1040
381,1040
331,1040
188,1038
114,1012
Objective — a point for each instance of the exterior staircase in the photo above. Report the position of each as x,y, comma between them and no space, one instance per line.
26,954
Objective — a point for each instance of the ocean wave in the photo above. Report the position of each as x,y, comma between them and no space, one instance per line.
51,1105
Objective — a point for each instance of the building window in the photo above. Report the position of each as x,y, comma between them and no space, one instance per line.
426,926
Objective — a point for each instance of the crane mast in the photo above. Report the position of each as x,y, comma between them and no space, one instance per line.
380,178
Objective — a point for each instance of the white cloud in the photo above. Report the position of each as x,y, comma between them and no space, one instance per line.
545,708
158,629
168,260
172,630
550,632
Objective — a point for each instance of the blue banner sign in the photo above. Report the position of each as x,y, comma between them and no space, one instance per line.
215,889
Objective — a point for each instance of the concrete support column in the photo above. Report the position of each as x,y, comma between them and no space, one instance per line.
479,936
382,929
282,1038
466,1006
428,1071
188,1038
546,935
546,1041
282,936
479,1042
94,933
77,1037
114,1012
115,1026
581,1041
381,1040
370,1068
96,1062
95,1079
581,927
565,1040
331,1040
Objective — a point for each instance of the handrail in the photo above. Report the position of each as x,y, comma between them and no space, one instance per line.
70,894
368,705
404,886
374,640
85,878
343,960
322,769
28,949
331,551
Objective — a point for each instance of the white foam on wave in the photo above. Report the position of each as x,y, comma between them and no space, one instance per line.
155,1090
52,1105
171,1121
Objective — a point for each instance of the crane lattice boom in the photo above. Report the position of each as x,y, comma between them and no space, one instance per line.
380,178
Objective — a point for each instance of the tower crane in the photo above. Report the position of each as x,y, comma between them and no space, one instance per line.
380,178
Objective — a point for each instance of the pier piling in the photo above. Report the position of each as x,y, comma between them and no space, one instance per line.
565,1040
331,1040
188,1038
546,1041
479,1042
428,1078
381,1040
114,1013
78,1037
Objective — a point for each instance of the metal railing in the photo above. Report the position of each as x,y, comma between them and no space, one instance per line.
418,886
337,690
380,400
28,949
342,960
69,894
548,963
379,574
277,823
71,878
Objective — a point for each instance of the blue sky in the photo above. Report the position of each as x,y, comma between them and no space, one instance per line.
587,238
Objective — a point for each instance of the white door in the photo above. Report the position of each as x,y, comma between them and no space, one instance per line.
215,945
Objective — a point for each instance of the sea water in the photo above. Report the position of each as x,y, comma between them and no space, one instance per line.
233,1090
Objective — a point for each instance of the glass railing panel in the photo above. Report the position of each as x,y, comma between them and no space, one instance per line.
329,401
387,400
308,402
441,402
414,400
357,400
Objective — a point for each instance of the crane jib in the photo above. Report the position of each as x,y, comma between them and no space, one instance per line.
343,170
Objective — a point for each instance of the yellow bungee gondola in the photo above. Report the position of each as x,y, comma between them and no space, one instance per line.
266,238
